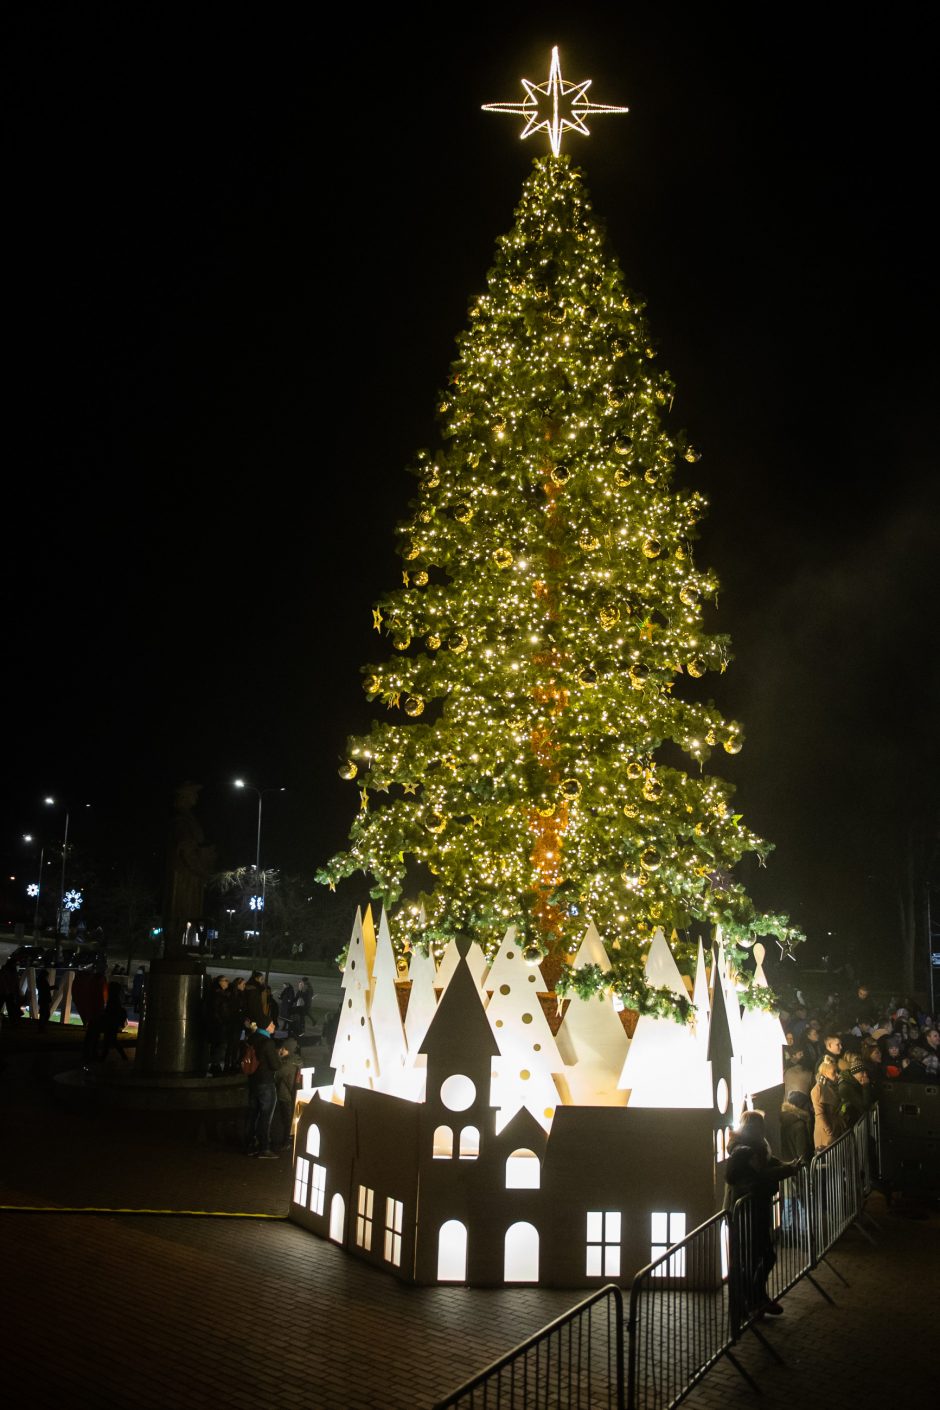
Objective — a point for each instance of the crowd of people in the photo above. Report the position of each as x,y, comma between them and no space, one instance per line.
837,1064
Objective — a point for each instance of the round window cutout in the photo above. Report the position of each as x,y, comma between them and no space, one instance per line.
721,1096
458,1092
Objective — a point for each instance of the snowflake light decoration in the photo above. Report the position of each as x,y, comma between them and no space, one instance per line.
256,903
33,888
72,900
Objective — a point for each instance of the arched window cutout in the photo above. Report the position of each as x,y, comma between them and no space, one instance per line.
313,1139
337,1219
452,1252
521,1256
443,1143
523,1170
469,1143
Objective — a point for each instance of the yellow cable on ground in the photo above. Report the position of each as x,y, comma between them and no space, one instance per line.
101,1209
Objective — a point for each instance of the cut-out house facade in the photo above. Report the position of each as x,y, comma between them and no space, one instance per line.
447,1187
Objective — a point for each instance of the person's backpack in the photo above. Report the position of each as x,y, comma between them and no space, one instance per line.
249,1059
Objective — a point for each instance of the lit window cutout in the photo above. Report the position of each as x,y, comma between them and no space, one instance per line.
443,1143
364,1218
523,1170
469,1143
313,1139
603,1244
301,1181
666,1230
394,1216
550,98
318,1190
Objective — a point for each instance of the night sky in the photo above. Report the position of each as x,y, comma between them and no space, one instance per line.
238,255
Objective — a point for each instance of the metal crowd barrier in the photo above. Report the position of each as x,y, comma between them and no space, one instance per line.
679,1321
575,1363
690,1306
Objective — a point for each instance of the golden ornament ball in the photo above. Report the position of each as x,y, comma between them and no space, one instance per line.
635,769
412,552
401,967
561,475
652,790
463,513
532,954
546,811
652,548
631,810
401,643
696,667
414,705
650,352
431,478
623,445
372,685
347,770
587,676
692,455
420,579
711,737
650,860
618,346
571,788
656,911
639,673
609,616
435,822
615,397
622,478
689,594
587,541
652,476
432,641
457,642
425,515
503,558
733,745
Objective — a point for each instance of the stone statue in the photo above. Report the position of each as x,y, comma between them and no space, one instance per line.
190,862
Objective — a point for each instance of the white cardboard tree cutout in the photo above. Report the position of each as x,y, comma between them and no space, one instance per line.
665,1067
591,1038
762,1039
522,1074
387,1031
354,1058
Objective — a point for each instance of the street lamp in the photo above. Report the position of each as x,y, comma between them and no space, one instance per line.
240,783
28,837
50,803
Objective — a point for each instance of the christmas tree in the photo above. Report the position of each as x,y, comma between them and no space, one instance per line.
540,756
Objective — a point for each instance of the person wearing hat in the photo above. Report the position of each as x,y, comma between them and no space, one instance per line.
893,1065
796,1126
854,1091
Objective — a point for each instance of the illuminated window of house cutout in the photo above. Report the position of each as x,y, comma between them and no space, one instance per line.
337,1218
452,1252
666,1230
722,1096
603,1243
364,1218
394,1215
301,1181
313,1140
721,1143
318,1189
523,1171
521,1254
469,1143
458,1092
443,1143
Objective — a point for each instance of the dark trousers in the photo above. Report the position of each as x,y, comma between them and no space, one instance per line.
262,1099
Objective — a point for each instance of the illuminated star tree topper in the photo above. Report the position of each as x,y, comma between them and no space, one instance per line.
555,106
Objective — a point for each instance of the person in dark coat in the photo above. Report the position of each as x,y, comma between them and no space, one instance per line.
796,1127
10,991
286,1083
854,1091
752,1173
217,1012
261,1005
262,1092
137,990
300,1009
43,996
113,1021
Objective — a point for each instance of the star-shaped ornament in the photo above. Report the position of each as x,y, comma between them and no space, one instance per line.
554,107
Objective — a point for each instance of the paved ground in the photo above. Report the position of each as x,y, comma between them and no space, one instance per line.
162,1310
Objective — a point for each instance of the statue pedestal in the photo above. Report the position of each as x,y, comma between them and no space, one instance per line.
171,1039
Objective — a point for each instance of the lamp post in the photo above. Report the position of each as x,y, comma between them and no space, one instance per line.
50,803
28,837
259,874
